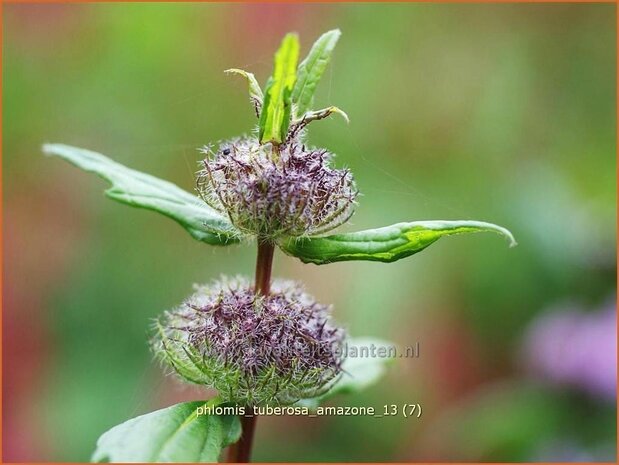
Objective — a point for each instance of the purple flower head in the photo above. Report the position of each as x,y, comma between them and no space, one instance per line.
253,349
267,193
577,348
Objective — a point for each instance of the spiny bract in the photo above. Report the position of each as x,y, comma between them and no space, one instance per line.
269,193
253,349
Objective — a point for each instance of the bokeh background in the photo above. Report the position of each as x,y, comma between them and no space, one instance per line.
503,113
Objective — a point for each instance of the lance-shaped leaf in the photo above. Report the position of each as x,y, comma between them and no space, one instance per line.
255,93
311,70
174,434
145,191
386,244
275,114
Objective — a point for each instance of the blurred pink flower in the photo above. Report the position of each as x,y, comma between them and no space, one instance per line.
577,348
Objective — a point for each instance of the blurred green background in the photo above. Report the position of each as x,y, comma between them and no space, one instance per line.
503,113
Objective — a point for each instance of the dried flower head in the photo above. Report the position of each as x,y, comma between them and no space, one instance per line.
268,192
253,349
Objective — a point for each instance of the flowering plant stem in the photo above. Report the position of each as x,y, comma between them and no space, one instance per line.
277,189
240,452
264,263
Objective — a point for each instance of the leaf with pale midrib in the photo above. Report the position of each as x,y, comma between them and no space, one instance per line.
311,70
255,93
172,434
275,113
142,190
386,244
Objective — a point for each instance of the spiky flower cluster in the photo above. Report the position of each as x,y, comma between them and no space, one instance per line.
268,191
253,349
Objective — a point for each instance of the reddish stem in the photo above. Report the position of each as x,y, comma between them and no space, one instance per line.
240,452
264,263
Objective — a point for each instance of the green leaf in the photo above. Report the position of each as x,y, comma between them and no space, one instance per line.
311,70
144,191
364,369
255,93
365,363
173,434
321,114
275,114
386,244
